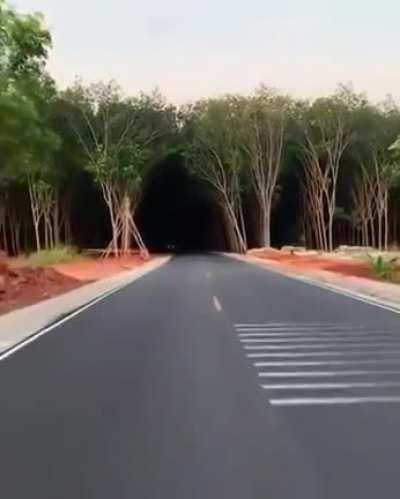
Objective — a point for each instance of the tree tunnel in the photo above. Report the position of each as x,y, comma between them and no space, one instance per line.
177,212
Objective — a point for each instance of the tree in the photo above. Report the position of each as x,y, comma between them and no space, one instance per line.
265,119
121,138
24,136
215,154
376,129
327,135
262,156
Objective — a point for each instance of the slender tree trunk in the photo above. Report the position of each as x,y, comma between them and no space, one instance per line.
126,235
265,222
386,221
380,229
3,229
372,232
330,231
18,238
242,226
229,231
36,214
56,221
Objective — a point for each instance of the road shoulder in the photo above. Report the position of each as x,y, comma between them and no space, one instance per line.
382,294
18,326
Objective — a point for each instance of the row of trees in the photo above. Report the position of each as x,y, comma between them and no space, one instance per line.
47,137
341,153
342,150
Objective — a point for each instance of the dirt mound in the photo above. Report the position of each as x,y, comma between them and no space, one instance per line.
27,285
316,262
99,268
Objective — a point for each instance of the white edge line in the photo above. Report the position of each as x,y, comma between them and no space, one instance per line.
329,287
34,336
41,332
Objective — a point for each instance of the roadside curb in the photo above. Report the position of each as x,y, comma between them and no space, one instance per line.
50,319
363,297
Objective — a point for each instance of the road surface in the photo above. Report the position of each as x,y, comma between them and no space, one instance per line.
207,379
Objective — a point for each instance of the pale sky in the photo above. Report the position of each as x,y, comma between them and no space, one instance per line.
191,49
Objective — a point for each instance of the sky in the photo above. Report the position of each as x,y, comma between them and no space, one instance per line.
191,49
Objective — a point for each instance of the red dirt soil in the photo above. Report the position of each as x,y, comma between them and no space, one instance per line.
20,287
23,286
315,262
91,269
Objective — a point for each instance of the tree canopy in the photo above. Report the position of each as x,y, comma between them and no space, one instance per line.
74,163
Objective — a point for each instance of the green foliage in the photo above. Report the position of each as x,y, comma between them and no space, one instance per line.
26,141
24,42
382,268
214,149
121,138
63,142
59,254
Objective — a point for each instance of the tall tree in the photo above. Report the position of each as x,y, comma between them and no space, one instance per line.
265,120
121,139
216,156
328,132
25,138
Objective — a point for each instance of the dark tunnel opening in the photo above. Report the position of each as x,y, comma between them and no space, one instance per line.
177,212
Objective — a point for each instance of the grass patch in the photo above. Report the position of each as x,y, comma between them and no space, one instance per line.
59,254
382,268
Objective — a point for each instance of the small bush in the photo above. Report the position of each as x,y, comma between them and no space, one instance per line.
383,269
59,254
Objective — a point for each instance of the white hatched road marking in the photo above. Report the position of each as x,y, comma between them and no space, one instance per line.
292,324
334,401
296,355
294,329
321,347
321,374
331,386
326,363
310,340
331,334
297,348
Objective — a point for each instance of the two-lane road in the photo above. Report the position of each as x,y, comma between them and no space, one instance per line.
207,379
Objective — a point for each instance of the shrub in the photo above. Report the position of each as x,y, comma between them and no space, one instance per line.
383,269
59,254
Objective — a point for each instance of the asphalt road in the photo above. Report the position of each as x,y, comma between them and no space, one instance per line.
207,379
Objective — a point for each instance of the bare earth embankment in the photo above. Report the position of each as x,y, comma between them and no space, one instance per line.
22,285
310,262
347,271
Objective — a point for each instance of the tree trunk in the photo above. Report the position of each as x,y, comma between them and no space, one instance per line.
265,223
230,235
330,231
126,233
386,222
56,222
